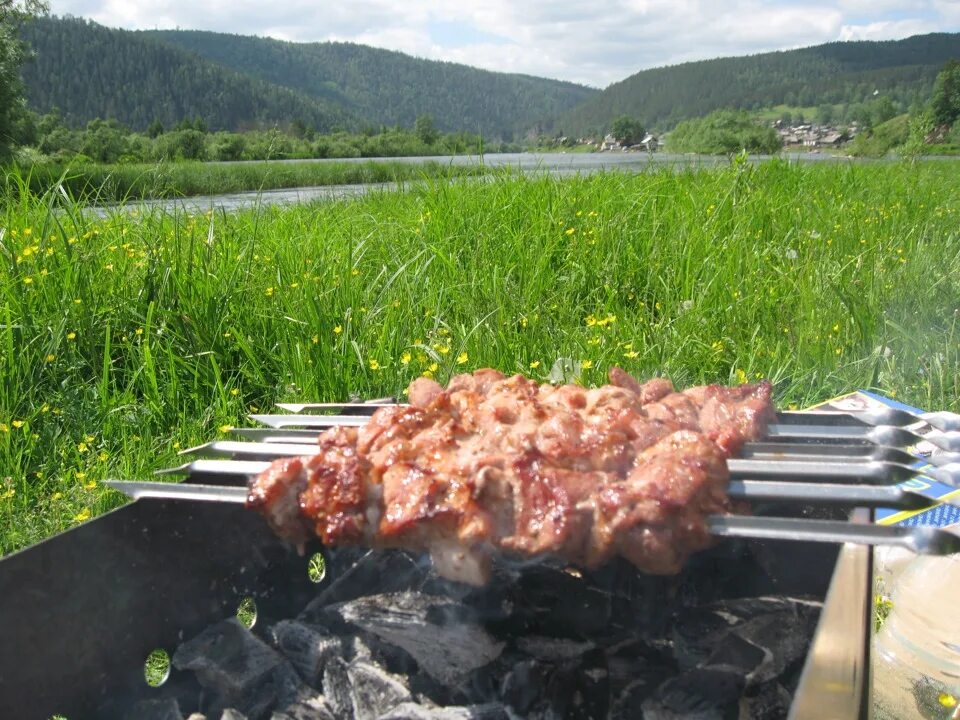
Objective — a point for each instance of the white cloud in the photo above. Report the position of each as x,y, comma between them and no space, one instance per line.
594,43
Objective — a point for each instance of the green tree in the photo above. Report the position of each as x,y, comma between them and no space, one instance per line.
627,130
155,129
13,52
424,129
825,113
945,101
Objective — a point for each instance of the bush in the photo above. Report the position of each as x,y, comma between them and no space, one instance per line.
723,132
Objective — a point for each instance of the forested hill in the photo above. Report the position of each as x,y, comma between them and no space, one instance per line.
836,73
390,88
89,71
234,82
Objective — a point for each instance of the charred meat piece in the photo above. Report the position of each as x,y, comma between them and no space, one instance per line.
495,463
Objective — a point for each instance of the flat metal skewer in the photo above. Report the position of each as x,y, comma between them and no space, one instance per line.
870,472
896,417
924,540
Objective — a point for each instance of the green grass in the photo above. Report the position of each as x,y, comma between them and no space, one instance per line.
113,183
127,337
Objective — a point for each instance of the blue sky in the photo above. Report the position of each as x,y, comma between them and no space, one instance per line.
595,43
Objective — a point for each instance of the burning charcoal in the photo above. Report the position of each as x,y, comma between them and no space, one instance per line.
167,709
231,714
696,635
315,709
551,601
783,636
413,711
524,684
373,690
244,672
552,649
739,655
336,687
575,689
197,716
227,657
306,647
702,693
385,570
767,702
435,631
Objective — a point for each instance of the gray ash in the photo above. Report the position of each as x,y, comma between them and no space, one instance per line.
385,639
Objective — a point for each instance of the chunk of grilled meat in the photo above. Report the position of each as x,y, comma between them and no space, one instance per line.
495,463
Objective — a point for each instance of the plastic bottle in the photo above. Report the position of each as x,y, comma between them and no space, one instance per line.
916,669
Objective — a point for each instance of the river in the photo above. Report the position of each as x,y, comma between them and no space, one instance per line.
560,164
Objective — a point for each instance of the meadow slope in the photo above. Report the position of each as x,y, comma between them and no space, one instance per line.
126,338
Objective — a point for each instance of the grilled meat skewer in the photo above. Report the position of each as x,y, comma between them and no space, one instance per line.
506,464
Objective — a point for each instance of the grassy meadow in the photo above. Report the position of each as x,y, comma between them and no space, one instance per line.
128,337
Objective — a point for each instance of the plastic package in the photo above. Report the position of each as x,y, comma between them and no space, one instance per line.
916,669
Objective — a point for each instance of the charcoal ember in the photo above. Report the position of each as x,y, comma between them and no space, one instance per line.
373,690
336,687
243,672
362,689
558,603
414,711
696,635
386,570
768,701
165,709
783,636
574,689
196,716
553,649
700,694
231,714
306,647
314,709
739,655
439,633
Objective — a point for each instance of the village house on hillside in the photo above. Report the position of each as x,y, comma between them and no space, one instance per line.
813,136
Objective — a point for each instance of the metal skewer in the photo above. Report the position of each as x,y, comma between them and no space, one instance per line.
870,472
919,539
945,421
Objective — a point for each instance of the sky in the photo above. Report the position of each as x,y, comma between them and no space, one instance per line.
593,42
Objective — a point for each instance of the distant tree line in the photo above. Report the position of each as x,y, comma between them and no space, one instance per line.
108,141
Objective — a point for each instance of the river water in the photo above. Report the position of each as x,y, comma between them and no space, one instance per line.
559,164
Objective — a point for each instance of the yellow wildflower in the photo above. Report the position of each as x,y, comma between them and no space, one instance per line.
56,496
374,365
77,301
535,364
50,358
225,428
88,438
139,331
28,281
586,364
338,329
740,375
82,515
462,358
355,272
71,336
80,474
294,286
316,339
234,391
631,354
27,231
103,456
7,494
947,700
405,358
570,231
434,367
442,349
268,292
17,424
4,427
82,448
90,485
